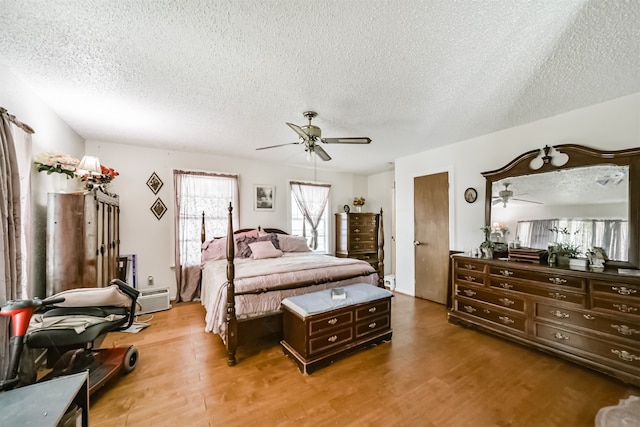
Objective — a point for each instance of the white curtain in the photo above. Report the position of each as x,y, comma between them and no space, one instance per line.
312,201
197,193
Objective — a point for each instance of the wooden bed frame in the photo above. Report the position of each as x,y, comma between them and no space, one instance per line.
231,318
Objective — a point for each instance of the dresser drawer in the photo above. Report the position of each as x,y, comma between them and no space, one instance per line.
362,246
507,301
465,264
490,314
554,292
362,219
616,327
627,355
374,309
330,340
373,325
616,306
331,322
617,289
469,276
556,279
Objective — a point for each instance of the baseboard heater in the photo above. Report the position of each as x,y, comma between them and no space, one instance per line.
152,300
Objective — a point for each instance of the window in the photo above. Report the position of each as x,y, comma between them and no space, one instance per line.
309,205
199,192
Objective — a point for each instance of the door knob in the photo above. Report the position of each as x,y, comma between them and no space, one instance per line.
416,243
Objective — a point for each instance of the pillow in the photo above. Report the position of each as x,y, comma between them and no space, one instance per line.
242,246
264,249
270,237
293,243
214,249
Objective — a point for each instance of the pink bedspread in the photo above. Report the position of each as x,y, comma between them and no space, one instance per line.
264,274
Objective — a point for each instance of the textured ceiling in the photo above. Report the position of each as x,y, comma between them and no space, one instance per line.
223,77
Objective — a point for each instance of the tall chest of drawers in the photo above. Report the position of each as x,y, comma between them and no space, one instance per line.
591,318
357,236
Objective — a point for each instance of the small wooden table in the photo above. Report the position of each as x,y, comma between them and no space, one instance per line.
319,329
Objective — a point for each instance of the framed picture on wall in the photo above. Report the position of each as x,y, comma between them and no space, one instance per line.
264,198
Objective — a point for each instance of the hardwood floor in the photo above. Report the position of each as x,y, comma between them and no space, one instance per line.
431,374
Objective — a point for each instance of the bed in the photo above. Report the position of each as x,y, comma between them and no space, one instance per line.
237,289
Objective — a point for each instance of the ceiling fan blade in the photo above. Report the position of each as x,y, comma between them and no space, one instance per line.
528,201
358,140
279,145
496,202
299,131
321,153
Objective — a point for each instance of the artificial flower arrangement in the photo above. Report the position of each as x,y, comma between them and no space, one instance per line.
564,248
358,201
67,165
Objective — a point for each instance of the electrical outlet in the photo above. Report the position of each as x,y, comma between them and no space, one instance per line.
150,281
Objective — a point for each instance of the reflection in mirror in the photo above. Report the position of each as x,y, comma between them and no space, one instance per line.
591,203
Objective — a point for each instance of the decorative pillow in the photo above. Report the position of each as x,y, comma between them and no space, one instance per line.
293,243
214,249
264,249
270,237
242,246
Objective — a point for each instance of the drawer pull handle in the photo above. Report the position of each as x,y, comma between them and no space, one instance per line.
332,321
625,355
557,280
559,336
470,266
557,295
625,308
506,301
373,310
506,273
469,309
469,292
470,278
372,325
625,330
486,310
356,230
559,314
332,338
357,239
622,290
505,320
506,286
589,317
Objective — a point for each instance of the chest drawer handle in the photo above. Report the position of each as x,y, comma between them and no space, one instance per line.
589,317
470,267
559,314
625,330
469,292
559,336
505,320
373,310
356,230
487,311
506,285
622,290
557,280
469,309
506,301
625,355
332,338
557,295
357,239
506,273
470,278
332,321
625,308
372,325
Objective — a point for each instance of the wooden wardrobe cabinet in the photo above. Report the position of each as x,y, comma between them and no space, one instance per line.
357,236
590,318
83,240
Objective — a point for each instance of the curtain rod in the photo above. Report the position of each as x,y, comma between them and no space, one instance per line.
25,127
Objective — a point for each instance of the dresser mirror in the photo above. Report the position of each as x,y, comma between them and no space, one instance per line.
591,197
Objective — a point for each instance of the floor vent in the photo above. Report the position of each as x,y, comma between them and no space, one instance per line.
152,300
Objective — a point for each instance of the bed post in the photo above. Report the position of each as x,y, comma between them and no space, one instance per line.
203,231
232,321
380,252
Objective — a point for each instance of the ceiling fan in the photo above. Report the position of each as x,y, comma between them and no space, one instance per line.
311,136
505,195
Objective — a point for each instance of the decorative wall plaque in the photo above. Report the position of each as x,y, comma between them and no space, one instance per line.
154,183
158,208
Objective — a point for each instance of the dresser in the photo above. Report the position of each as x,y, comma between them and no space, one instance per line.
357,236
83,240
590,318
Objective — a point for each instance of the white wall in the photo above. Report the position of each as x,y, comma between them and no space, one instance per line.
612,125
51,134
152,240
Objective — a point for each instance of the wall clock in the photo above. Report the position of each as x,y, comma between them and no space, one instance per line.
470,195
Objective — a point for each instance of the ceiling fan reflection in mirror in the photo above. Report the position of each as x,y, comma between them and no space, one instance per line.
311,135
504,196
